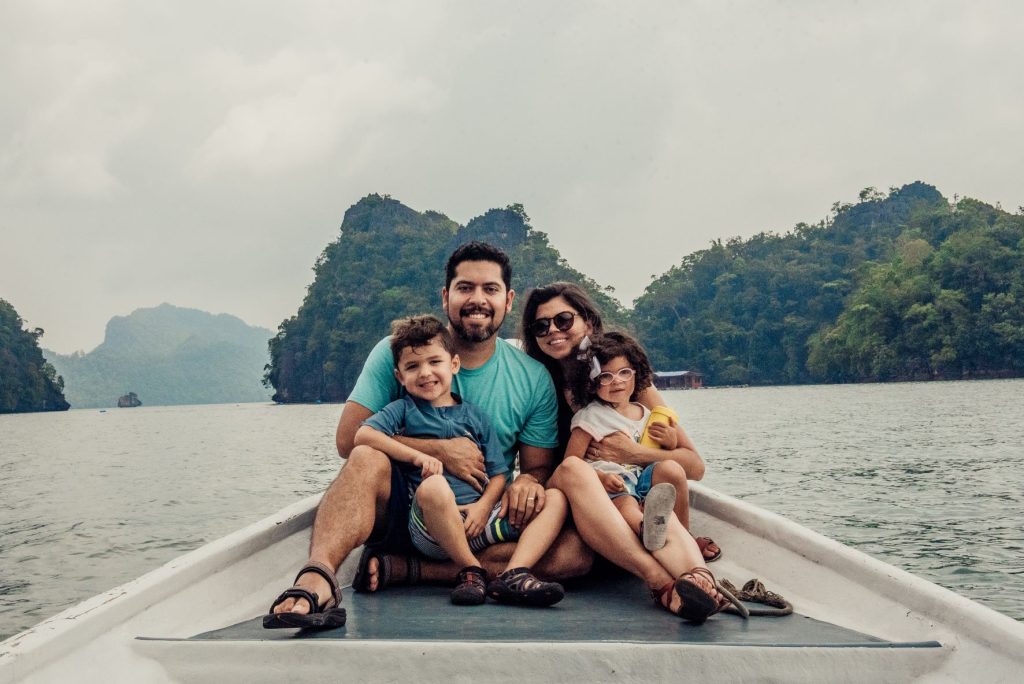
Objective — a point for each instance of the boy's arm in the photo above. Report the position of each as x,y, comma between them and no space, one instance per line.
396,450
461,457
479,511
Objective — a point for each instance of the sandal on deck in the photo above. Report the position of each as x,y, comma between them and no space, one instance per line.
327,615
386,571
658,506
705,542
697,605
471,586
518,586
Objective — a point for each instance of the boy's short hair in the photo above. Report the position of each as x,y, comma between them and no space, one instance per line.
418,331
478,251
604,348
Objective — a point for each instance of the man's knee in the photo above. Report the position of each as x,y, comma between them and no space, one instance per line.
367,466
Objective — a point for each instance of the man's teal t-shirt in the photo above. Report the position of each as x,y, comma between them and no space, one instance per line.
514,391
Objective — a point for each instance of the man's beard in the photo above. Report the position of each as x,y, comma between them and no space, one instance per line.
477,333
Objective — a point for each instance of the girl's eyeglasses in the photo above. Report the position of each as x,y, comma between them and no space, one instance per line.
623,374
563,321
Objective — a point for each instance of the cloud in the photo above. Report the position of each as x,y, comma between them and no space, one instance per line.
296,109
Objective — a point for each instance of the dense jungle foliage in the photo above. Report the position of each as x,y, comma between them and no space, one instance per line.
899,286
27,381
387,263
896,287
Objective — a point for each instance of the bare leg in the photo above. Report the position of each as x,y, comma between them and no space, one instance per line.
540,532
673,473
601,526
443,520
344,518
629,509
680,552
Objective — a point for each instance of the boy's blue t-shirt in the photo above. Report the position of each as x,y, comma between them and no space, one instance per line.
514,391
413,417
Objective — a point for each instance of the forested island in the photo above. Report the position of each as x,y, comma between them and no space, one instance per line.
27,381
903,285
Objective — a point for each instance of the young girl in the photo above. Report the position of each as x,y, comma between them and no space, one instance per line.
607,387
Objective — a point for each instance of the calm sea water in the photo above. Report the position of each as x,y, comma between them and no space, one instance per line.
928,477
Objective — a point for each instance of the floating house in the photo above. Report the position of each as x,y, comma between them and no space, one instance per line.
679,380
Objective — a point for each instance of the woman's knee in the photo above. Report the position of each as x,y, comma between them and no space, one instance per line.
571,472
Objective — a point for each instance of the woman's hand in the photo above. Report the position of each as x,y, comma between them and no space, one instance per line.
615,448
666,436
475,519
522,500
613,484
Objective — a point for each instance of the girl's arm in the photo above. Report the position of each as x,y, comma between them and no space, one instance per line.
376,439
619,448
579,442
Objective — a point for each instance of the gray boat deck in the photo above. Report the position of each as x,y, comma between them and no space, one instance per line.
611,608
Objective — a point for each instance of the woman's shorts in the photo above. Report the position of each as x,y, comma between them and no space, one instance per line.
496,531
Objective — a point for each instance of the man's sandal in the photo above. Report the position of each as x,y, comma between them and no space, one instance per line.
387,575
696,604
320,616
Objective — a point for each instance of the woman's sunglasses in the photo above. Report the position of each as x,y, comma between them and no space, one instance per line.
563,321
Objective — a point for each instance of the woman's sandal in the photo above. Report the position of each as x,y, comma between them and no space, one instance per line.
387,575
705,542
327,615
696,604
518,586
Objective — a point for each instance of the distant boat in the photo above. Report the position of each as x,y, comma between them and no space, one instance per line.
130,400
197,619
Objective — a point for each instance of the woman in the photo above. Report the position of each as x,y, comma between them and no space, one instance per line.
556,319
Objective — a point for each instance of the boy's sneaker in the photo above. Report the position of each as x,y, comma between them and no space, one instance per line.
471,586
520,587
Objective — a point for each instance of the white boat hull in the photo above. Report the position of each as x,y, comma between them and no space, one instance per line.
235,578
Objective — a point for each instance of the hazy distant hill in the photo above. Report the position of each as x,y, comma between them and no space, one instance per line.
27,381
169,355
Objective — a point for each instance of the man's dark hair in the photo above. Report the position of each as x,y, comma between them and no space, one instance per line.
478,251
418,331
604,348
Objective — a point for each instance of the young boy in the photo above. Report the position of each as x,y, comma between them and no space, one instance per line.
448,517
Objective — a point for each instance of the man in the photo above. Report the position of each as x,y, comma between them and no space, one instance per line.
515,392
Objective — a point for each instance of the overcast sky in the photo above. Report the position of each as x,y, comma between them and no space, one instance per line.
204,153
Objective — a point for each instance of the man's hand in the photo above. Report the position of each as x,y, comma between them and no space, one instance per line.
428,466
613,483
464,460
522,500
615,448
665,435
475,518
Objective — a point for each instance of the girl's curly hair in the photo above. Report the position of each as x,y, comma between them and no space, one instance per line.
604,348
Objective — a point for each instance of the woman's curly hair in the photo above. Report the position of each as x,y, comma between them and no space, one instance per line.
604,348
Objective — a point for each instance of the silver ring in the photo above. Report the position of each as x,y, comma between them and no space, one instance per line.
530,498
